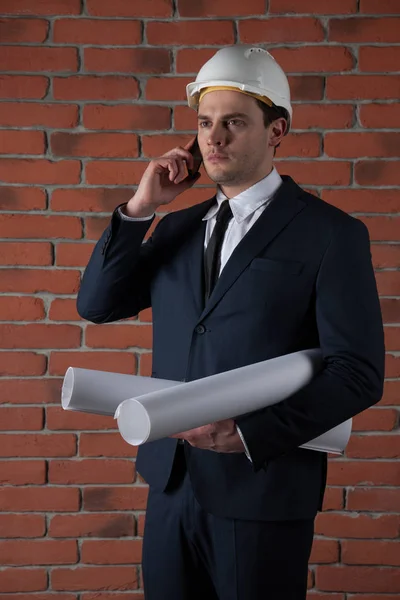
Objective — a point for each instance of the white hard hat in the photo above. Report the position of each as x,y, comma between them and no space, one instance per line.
246,68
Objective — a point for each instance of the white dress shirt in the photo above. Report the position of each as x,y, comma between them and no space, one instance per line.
246,207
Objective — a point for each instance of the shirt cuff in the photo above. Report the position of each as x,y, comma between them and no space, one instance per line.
126,218
246,450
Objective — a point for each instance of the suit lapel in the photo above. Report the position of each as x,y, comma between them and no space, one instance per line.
283,208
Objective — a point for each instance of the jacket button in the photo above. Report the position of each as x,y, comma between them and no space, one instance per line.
200,329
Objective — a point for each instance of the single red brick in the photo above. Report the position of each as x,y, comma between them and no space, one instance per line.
27,114
38,444
59,419
316,172
358,579
119,362
190,32
121,8
370,552
39,499
385,256
388,7
167,88
363,473
319,7
38,59
38,552
97,32
276,29
22,198
39,280
39,171
63,309
95,144
333,499
38,335
115,172
92,578
21,419
379,116
21,308
22,472
23,86
126,117
374,500
362,87
364,200
324,551
23,580
108,444
23,30
391,314
89,199
220,8
379,59
44,7
374,446
115,498
67,472
306,60
91,525
25,253
111,552
377,172
306,87
39,226
135,60
118,336
91,87
392,365
357,145
22,526
22,364
73,255
382,228
363,29
354,525
30,391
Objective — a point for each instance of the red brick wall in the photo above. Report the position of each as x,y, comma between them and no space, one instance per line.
90,90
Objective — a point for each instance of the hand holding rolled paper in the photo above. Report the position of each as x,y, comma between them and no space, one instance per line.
148,409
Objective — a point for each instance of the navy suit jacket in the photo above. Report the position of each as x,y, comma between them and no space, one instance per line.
301,278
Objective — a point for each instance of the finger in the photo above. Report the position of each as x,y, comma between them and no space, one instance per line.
187,183
181,153
173,169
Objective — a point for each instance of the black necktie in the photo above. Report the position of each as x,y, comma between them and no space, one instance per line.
212,260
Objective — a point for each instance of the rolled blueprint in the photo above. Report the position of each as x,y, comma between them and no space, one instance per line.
100,392
165,412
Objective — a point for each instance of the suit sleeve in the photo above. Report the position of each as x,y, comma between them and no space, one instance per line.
116,281
351,339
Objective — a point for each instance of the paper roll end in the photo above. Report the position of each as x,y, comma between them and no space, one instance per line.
67,387
133,422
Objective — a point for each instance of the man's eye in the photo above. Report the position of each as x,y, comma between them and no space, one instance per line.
204,123
235,122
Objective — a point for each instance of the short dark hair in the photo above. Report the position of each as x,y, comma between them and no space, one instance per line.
271,113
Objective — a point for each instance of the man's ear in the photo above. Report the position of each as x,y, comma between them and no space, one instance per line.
278,129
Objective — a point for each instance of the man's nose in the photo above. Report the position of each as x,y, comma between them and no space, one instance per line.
217,136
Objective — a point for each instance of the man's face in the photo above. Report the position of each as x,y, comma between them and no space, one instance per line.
233,138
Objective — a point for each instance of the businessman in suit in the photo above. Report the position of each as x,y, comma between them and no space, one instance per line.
260,270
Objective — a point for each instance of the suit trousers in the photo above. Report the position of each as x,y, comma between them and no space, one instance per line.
189,554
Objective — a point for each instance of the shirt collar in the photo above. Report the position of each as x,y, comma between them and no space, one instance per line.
246,203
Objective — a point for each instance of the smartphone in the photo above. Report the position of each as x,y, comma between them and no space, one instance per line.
198,159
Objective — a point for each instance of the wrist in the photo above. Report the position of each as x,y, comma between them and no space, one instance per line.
135,210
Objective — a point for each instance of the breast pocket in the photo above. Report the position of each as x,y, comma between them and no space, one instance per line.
285,267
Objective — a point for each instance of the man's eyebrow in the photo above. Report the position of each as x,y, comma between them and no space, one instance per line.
224,117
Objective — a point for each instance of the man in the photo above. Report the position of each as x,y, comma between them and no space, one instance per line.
260,270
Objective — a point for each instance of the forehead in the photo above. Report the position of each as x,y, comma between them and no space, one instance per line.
227,101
